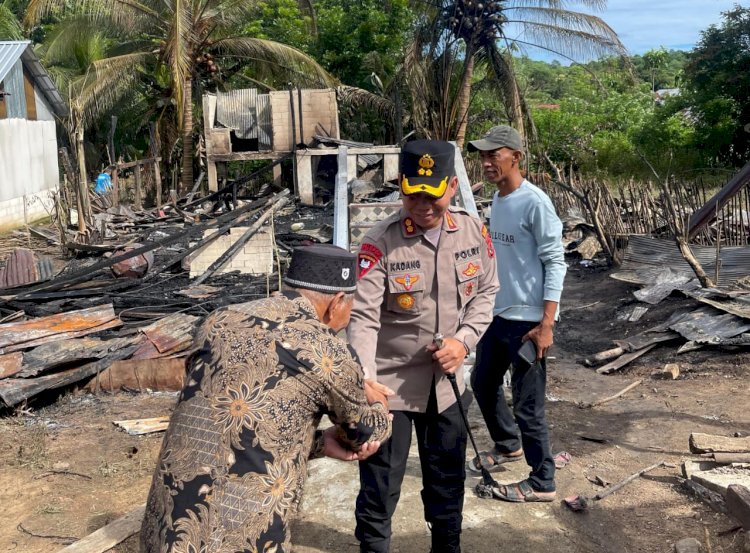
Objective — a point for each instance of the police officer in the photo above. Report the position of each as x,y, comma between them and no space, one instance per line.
428,269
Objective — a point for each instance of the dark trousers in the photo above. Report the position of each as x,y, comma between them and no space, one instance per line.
496,352
441,439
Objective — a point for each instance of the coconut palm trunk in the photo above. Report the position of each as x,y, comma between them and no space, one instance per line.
188,149
464,94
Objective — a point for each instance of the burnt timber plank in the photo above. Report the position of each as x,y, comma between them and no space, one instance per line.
623,360
738,504
63,336
16,390
48,356
710,443
10,364
42,327
110,535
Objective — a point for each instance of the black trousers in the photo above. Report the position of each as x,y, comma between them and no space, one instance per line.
496,352
441,439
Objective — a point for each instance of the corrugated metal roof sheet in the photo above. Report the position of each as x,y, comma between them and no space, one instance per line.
645,251
10,51
236,109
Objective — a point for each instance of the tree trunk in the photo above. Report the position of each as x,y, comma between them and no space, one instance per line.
464,95
516,113
84,209
187,138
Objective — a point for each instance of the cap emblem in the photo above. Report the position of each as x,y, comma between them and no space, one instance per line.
426,163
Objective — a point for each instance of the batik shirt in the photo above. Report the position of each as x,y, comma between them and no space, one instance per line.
234,458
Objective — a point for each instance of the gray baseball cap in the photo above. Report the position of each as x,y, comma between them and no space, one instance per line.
501,136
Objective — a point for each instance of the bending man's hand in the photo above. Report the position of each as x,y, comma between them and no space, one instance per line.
377,392
542,337
450,356
334,449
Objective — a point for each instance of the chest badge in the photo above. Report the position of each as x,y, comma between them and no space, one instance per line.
407,281
468,289
471,270
405,301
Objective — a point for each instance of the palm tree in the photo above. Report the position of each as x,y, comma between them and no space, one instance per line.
455,36
161,50
10,27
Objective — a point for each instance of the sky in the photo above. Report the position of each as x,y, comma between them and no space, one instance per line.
643,25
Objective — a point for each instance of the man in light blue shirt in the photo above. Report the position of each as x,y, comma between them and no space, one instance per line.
527,236
104,181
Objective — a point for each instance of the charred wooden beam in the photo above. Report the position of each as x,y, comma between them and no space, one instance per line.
32,331
85,274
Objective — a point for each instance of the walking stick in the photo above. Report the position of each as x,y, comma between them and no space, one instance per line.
487,480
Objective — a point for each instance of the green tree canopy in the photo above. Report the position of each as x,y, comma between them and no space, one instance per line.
717,79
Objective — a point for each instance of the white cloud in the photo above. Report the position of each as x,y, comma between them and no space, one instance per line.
646,24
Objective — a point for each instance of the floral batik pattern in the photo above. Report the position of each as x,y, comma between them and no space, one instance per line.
234,459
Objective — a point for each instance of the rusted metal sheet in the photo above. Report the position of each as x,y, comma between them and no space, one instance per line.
141,375
23,266
10,364
54,354
172,334
146,349
14,336
135,267
16,390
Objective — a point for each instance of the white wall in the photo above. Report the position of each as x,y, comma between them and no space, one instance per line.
28,168
43,109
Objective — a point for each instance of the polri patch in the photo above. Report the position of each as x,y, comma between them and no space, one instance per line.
368,257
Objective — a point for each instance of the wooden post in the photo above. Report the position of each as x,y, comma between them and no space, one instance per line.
83,188
111,140
115,188
209,111
138,200
155,147
276,175
157,178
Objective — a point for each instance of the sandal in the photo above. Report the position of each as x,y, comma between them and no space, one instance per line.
492,460
562,459
521,492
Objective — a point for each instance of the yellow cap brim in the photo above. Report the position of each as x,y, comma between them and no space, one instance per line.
408,188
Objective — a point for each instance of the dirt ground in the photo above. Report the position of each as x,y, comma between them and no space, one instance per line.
66,470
